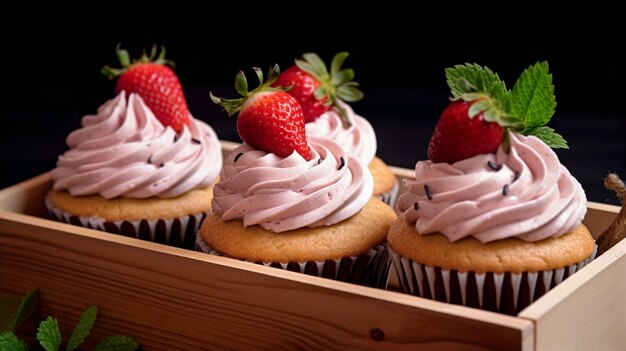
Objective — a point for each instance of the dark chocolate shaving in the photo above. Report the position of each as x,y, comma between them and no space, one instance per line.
496,167
505,189
176,138
428,193
196,141
162,164
517,174
342,163
238,155
416,206
320,160
150,159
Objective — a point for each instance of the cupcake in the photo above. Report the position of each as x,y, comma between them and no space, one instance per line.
492,219
321,95
134,172
292,203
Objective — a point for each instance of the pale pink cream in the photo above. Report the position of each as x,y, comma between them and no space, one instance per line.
285,193
124,151
358,140
469,199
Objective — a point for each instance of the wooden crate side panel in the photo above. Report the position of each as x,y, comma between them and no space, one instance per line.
587,311
599,217
27,196
175,299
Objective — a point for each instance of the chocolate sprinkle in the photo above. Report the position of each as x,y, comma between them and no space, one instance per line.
416,206
320,160
238,155
342,163
150,159
428,193
517,174
162,164
496,167
176,138
505,189
196,141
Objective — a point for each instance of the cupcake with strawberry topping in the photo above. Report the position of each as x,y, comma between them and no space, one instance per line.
294,203
142,166
492,220
323,96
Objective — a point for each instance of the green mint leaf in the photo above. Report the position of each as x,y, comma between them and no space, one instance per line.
28,306
549,136
10,342
49,335
117,343
532,98
83,327
473,78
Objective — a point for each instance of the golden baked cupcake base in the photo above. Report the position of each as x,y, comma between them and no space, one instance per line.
353,250
386,185
509,277
170,221
368,269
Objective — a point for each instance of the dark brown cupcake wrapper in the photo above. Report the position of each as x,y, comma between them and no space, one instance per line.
368,269
390,197
507,293
177,232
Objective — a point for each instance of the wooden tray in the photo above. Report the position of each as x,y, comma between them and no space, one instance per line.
170,298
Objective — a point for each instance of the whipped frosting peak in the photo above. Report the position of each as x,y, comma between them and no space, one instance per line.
524,192
358,140
124,151
286,193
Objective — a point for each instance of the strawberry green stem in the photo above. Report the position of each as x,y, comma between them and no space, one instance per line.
125,62
233,106
336,85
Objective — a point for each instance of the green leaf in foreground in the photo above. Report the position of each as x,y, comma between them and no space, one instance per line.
117,343
83,327
27,307
549,136
10,342
532,98
49,335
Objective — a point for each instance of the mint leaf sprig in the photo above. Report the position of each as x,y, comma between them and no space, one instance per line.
526,109
49,335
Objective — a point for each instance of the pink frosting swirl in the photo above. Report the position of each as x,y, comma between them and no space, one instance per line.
524,193
285,193
358,140
125,151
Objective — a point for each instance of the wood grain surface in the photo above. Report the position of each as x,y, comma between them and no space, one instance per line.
170,299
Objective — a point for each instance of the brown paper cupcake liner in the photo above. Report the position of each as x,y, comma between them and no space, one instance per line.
177,232
507,293
368,269
390,197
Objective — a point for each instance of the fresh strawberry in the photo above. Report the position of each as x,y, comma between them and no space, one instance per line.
457,136
156,83
482,109
475,121
269,119
316,89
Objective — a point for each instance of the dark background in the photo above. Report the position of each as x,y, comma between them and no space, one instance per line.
53,78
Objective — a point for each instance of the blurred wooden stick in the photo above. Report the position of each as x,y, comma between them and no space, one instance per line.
617,230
